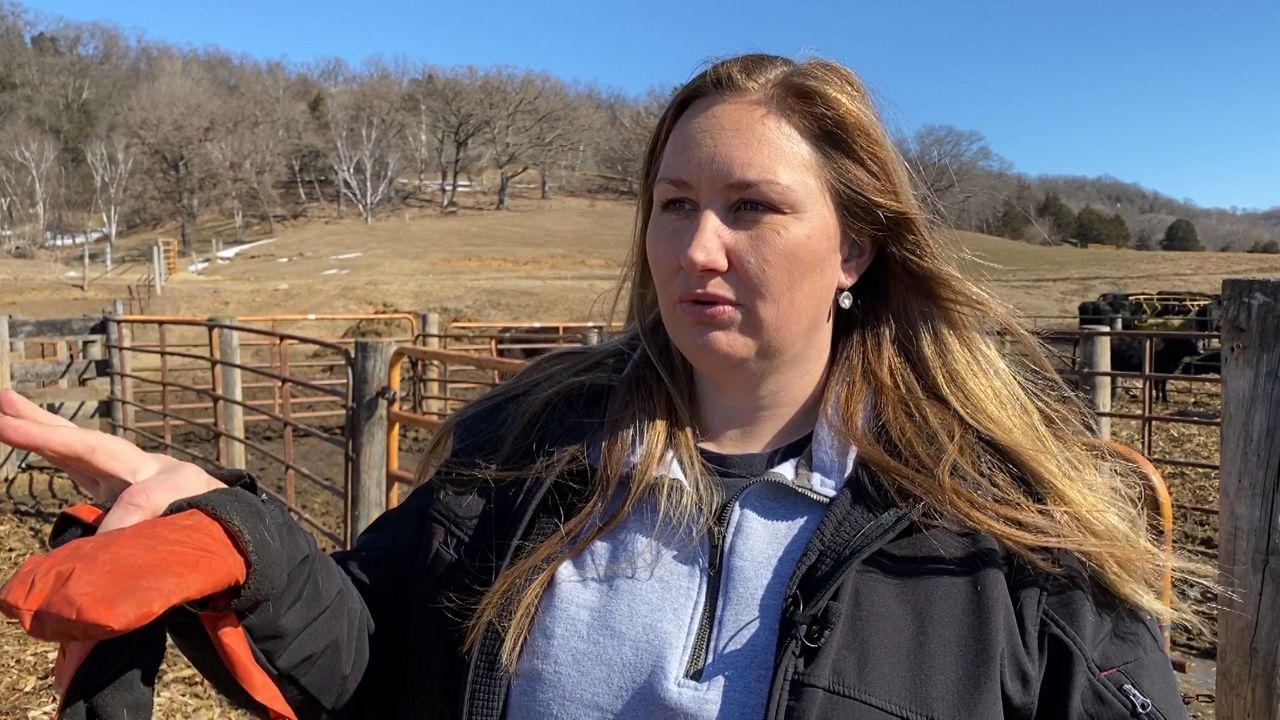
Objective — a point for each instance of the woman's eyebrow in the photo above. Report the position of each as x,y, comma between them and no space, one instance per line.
736,185
745,185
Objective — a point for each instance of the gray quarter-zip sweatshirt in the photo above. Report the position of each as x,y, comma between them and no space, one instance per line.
646,623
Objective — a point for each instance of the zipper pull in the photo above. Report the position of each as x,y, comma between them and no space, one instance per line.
1141,705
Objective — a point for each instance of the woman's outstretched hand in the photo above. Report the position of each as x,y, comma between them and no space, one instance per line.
139,484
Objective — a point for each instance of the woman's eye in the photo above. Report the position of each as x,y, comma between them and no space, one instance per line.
753,206
676,205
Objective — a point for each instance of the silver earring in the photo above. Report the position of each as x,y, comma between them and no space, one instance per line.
844,299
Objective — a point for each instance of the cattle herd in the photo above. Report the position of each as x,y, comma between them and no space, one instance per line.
1160,312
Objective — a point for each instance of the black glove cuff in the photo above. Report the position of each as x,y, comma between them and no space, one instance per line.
245,516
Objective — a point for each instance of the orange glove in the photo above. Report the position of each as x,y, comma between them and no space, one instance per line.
106,585
92,588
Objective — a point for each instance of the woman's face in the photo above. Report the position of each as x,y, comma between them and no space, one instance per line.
744,243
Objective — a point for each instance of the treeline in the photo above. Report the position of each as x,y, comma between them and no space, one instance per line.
976,189
100,129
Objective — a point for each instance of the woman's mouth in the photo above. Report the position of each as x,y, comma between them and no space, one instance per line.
707,307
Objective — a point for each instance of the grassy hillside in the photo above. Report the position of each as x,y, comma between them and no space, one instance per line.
553,260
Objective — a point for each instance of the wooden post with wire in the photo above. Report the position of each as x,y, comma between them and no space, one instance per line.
8,456
431,387
1097,359
113,359
1248,684
157,269
124,339
232,453
369,387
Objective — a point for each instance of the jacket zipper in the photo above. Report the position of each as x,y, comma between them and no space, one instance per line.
702,638
1141,704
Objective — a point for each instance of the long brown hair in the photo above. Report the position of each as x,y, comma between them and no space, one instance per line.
986,439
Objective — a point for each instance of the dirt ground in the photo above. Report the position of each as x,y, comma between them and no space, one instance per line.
548,261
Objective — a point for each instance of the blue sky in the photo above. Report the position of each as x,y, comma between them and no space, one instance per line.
1180,96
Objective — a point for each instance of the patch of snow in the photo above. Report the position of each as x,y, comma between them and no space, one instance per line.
72,273
345,256
282,259
335,271
71,239
197,266
231,252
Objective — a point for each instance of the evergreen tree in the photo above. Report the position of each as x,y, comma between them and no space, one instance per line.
1118,231
1180,236
1091,227
1011,222
1059,215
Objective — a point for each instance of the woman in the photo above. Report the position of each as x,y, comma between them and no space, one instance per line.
802,483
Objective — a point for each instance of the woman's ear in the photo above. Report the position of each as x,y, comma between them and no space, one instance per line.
857,258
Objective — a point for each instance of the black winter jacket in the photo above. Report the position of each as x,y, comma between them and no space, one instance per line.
885,618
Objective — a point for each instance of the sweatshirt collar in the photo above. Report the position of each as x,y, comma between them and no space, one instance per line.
831,459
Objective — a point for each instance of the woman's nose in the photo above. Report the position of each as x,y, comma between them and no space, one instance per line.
706,250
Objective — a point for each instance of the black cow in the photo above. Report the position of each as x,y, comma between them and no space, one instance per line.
1096,312
1127,352
1209,363
1168,357
526,343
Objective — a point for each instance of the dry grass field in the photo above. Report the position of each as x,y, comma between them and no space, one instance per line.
547,260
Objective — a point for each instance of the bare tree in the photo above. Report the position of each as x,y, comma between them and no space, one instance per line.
10,191
620,131
249,148
947,163
366,126
175,117
520,118
34,154
460,119
425,136
110,160
558,137
305,135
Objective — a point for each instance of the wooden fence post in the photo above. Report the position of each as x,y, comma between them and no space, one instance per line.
8,456
431,388
124,336
157,272
1248,683
1097,358
369,432
6,365
113,358
232,451
92,350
